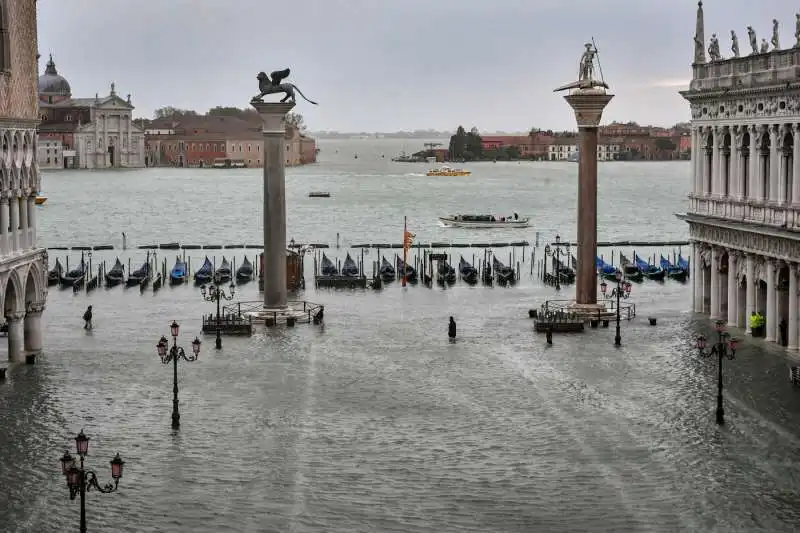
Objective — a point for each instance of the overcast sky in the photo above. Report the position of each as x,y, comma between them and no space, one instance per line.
376,65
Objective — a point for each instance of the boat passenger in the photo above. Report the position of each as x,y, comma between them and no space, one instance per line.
516,216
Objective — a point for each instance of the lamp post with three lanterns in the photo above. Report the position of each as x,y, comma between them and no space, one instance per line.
215,294
80,480
172,353
622,290
725,347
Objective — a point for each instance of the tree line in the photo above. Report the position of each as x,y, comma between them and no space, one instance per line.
294,120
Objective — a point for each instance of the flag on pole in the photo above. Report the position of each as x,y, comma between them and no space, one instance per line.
408,239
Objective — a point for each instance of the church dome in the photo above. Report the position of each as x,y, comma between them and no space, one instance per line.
52,83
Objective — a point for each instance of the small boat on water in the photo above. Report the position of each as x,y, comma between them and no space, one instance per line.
178,273
468,272
387,271
40,200
446,272
410,271
204,273
673,271
223,273
649,271
327,268
319,194
245,271
140,275
447,171
630,270
349,268
484,221
74,276
54,275
606,271
116,275
505,274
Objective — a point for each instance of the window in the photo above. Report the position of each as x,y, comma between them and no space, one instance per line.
48,160
258,161
258,148
248,147
68,118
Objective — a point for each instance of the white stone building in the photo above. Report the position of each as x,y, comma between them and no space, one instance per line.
744,203
567,151
50,154
23,265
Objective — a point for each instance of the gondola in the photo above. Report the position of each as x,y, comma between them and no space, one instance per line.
327,268
673,271
178,273
55,274
565,273
607,271
116,275
223,273
447,274
349,268
411,272
245,271
204,273
387,271
74,276
139,276
504,274
649,271
468,272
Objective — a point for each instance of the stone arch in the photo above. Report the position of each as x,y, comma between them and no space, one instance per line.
16,147
34,286
6,147
27,148
13,294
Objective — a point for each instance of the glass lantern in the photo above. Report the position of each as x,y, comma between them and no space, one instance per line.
74,477
116,466
719,326
196,346
67,462
603,287
162,347
174,329
82,444
203,290
618,275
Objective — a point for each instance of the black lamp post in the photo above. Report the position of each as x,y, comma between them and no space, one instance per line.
81,480
215,294
172,354
724,347
622,290
557,262
546,255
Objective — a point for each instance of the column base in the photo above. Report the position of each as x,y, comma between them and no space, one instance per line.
33,332
16,337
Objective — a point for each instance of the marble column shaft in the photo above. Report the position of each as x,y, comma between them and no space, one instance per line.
733,292
715,166
715,285
793,325
32,221
771,301
32,329
697,161
586,282
23,223
753,161
697,280
796,165
14,206
16,336
774,155
5,223
750,295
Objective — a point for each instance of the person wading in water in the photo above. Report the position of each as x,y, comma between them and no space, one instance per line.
451,330
87,318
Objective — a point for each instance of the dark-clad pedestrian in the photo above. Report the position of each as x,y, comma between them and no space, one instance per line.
451,329
87,318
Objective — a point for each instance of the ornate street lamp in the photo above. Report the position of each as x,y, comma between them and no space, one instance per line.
81,480
557,262
725,347
215,294
172,354
622,290
544,263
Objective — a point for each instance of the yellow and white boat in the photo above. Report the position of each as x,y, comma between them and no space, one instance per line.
40,200
447,171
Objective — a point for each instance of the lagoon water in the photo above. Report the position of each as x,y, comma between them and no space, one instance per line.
374,422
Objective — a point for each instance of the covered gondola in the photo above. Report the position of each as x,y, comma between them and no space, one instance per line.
204,273
649,271
245,271
178,273
327,268
468,272
349,268
139,275
629,270
505,274
116,275
223,273
446,272
73,276
673,271
55,274
387,271
410,271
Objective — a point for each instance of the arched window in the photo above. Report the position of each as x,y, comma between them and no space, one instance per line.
5,42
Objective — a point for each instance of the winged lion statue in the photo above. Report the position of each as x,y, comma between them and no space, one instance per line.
274,84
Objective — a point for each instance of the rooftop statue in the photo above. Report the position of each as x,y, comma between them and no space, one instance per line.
776,43
586,79
764,46
274,84
713,48
797,30
751,33
734,44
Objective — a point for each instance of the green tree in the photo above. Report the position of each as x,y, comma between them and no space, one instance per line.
473,149
512,152
458,143
169,111
296,121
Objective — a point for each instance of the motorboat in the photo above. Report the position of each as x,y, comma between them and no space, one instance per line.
484,221
448,171
40,200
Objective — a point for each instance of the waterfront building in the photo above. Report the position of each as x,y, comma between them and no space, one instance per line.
744,199
86,132
23,264
566,149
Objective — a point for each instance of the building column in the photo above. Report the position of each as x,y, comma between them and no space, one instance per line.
782,162
33,328
733,165
741,171
794,327
14,205
750,296
697,279
753,161
774,156
715,167
32,221
5,223
733,289
23,222
715,299
16,337
771,301
697,157
796,164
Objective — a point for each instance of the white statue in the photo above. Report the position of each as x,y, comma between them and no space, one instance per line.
797,30
751,33
764,46
713,48
776,43
587,63
734,44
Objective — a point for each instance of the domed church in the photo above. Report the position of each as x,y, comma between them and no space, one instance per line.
85,132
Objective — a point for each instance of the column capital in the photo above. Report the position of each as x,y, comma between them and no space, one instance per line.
35,309
773,129
792,267
15,317
795,128
273,115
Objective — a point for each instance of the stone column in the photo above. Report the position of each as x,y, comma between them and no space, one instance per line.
753,188
273,116
32,222
774,155
742,184
733,166
697,159
750,296
796,165
733,289
5,223
23,222
588,105
794,327
715,157
33,328
771,301
697,279
715,284
16,337
14,204
782,162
